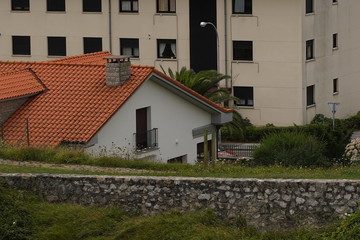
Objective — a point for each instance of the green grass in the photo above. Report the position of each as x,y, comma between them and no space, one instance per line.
70,156
26,217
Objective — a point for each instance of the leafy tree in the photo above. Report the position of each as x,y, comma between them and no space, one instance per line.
206,83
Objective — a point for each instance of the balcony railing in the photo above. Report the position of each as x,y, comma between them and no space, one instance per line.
147,140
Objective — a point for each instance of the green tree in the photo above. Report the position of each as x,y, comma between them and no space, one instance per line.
206,83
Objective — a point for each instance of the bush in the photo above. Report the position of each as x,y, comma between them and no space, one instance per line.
290,149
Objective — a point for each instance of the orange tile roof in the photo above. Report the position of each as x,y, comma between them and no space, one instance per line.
17,84
77,102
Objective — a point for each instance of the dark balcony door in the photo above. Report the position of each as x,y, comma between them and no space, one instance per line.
141,128
203,41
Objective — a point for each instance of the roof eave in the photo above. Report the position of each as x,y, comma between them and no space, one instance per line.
218,117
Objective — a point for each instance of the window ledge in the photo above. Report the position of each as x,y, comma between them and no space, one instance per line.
242,15
335,93
311,106
165,14
20,55
166,59
129,13
242,61
335,3
53,56
310,60
310,14
92,12
335,48
243,107
20,11
56,12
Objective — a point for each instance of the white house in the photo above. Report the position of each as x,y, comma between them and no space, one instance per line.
107,106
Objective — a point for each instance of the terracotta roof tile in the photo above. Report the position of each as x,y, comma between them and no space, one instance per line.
17,84
77,102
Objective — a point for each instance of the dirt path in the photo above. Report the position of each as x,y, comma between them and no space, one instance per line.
72,167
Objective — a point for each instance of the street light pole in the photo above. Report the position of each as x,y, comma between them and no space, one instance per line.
203,24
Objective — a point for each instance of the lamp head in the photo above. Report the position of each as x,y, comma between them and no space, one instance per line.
203,24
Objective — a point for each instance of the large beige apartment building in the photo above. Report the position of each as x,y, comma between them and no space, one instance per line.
288,58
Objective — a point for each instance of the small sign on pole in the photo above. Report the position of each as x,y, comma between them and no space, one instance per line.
333,108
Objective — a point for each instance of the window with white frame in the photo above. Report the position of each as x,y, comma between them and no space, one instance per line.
129,47
166,48
243,50
242,6
129,5
92,44
21,45
245,96
91,5
166,6
309,6
335,41
310,49
335,86
56,46
55,5
310,95
20,5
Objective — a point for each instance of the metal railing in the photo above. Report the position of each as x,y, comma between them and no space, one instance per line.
238,150
146,140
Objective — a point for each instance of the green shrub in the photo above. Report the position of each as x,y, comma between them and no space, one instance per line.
290,149
15,220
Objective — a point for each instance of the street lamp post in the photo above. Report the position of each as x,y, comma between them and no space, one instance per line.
204,24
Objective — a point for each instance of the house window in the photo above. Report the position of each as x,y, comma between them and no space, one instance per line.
55,5
335,40
245,95
129,6
309,6
310,95
91,5
335,86
243,50
92,44
310,49
166,6
21,45
166,48
129,46
335,1
242,6
20,5
56,46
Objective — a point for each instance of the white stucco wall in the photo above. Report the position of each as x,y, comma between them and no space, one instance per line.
174,117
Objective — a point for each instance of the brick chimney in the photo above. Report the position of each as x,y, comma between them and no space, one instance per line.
118,70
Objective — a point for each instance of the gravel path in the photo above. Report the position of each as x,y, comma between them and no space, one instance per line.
72,167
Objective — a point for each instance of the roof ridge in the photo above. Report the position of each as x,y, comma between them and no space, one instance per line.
52,63
78,56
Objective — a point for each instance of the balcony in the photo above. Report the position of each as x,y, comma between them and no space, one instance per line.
146,140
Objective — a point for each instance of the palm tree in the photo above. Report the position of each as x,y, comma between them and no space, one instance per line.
206,83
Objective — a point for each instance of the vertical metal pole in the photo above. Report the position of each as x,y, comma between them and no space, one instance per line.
214,145
206,149
27,131
333,118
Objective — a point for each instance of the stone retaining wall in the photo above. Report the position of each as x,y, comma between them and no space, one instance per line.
270,203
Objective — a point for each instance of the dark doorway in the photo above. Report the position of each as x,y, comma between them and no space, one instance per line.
203,40
141,128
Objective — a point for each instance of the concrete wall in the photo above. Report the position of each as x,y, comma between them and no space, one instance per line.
174,117
265,203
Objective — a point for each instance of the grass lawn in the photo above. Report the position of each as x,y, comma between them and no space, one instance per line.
221,171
